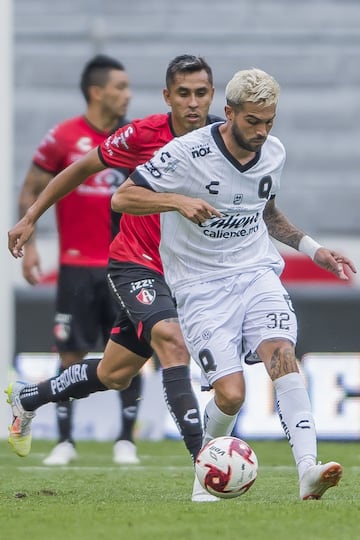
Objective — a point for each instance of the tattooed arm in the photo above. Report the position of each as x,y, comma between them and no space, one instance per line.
284,231
280,227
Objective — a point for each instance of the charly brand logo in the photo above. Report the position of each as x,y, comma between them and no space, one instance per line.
84,144
211,189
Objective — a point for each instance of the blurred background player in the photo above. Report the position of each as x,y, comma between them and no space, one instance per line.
85,309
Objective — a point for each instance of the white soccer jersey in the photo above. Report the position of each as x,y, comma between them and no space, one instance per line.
199,165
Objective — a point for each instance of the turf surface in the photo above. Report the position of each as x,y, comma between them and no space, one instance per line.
93,499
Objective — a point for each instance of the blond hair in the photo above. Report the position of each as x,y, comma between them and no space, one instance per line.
252,85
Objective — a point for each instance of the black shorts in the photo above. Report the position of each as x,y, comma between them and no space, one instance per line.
85,309
142,294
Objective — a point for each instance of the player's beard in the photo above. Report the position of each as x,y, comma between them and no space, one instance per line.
243,143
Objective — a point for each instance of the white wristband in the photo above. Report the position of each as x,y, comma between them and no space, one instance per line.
308,246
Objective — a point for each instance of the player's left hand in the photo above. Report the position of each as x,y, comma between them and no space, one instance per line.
334,262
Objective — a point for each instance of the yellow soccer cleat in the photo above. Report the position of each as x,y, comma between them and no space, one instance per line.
20,429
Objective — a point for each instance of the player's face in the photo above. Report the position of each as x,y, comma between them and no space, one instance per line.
116,94
189,97
251,124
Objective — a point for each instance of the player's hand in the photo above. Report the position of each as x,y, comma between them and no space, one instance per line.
18,235
334,262
196,210
31,268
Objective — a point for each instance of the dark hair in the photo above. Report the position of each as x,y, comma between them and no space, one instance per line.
96,72
186,63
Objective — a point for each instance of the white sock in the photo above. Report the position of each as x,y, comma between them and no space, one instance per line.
296,418
217,423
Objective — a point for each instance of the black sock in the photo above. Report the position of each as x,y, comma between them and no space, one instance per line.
183,406
76,381
130,401
64,410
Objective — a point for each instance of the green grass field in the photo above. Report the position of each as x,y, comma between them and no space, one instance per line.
95,500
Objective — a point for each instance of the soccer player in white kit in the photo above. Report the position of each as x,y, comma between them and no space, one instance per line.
215,189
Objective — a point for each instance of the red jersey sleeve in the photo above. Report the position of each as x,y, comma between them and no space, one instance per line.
52,151
135,143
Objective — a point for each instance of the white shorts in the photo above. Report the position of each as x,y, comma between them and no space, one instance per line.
224,319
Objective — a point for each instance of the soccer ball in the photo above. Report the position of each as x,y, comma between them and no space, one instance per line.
226,467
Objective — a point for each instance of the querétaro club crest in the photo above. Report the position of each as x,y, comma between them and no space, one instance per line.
146,296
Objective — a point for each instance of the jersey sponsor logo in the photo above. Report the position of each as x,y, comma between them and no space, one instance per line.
231,234
231,221
146,296
141,284
105,182
231,225
200,151
210,188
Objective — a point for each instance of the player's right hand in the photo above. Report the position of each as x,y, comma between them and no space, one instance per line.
196,210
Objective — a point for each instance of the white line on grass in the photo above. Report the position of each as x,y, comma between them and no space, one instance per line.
140,468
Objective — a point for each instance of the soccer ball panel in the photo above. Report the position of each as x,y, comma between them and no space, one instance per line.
226,467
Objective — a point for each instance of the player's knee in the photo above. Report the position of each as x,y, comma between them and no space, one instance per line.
114,380
229,403
230,393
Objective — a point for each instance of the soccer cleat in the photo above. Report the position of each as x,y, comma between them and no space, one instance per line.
200,494
318,478
62,454
20,429
124,453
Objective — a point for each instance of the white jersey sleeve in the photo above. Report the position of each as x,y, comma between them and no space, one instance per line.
199,165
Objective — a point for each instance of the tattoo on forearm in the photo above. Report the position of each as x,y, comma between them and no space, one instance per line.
282,229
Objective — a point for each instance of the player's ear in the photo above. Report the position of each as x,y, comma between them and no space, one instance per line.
95,93
229,112
166,95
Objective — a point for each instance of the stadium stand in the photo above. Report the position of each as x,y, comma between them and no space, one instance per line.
312,48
